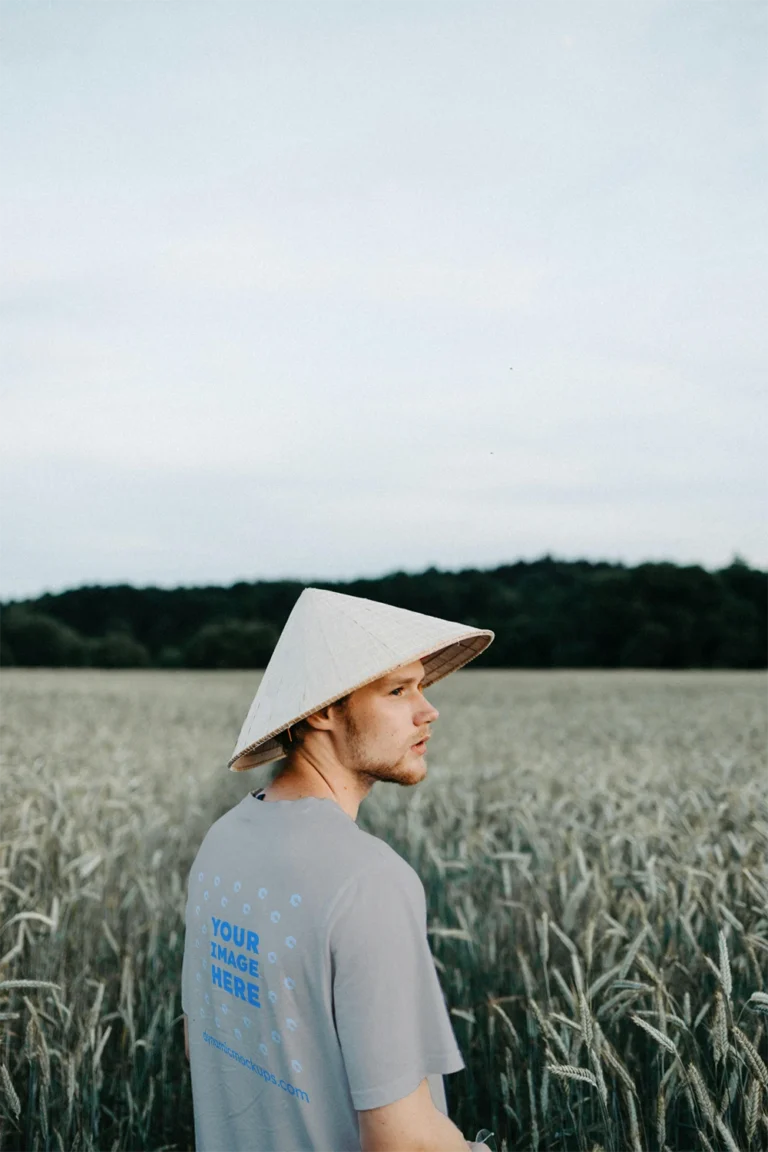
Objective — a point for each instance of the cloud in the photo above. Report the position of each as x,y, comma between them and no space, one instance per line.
267,269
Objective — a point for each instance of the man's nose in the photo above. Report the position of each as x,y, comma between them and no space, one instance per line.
432,714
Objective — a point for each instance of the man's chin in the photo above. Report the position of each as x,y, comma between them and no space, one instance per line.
410,769
413,773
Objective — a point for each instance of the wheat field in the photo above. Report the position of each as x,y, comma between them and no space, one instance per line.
593,847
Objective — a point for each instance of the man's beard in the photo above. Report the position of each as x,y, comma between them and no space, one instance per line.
361,761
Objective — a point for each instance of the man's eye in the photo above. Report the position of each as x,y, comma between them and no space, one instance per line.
396,690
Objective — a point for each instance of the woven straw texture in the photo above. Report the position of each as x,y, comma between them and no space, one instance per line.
333,644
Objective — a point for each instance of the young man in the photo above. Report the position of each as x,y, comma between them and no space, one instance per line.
314,1018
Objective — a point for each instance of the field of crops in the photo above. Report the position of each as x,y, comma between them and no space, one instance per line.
594,848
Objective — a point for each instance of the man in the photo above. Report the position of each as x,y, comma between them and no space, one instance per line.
314,1018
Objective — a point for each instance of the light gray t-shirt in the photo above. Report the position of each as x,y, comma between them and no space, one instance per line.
307,979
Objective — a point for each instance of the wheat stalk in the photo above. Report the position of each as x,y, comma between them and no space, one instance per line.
532,1105
687,1008
752,1107
571,1072
544,1093
43,1112
758,1002
602,1088
578,976
7,984
752,1056
661,1118
659,1037
615,1064
634,1130
726,1134
632,952
700,1090
725,965
719,1029
585,1018
543,930
9,1091
589,941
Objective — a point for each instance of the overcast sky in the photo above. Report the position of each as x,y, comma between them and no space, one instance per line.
324,290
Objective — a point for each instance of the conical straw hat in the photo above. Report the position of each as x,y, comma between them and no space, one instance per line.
333,644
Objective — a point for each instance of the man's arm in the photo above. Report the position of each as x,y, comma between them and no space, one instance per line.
411,1123
186,1037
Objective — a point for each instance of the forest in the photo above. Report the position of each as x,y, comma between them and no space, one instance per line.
546,613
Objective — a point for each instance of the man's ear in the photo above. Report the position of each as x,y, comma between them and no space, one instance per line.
321,719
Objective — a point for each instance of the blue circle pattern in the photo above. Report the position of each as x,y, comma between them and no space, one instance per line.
288,982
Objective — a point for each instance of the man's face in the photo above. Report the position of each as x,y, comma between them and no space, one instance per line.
381,724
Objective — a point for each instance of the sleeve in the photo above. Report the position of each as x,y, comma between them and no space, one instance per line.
185,965
390,1014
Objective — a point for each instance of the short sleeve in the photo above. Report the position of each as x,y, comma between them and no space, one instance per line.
389,1010
185,965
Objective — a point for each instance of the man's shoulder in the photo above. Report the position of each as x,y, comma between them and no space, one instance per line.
221,831
380,855
379,866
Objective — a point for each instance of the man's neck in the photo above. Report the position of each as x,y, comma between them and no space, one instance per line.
298,782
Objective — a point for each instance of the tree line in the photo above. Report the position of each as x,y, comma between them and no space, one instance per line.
546,613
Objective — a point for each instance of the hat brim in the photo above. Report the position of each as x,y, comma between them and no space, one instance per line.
439,662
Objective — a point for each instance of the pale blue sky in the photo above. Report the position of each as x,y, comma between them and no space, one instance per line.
266,269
